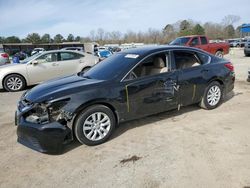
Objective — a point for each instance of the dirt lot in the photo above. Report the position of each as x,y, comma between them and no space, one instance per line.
189,148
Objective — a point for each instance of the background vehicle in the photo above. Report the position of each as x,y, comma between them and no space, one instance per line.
128,85
37,50
4,58
44,66
199,41
73,48
103,54
239,43
247,48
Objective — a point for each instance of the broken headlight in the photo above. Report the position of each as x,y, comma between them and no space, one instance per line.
47,112
55,110
38,114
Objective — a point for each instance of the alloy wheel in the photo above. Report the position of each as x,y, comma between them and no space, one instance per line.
214,95
14,83
96,126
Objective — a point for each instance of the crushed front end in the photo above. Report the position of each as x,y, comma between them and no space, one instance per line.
43,126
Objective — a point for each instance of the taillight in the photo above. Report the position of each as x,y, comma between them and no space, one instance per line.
5,55
229,66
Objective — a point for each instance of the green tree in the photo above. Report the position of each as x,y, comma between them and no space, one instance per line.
58,38
70,38
34,38
78,39
2,40
12,39
229,31
198,30
46,38
185,28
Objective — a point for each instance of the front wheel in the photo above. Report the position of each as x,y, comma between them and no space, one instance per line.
14,82
212,96
94,125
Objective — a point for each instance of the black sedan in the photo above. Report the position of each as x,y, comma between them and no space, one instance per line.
128,85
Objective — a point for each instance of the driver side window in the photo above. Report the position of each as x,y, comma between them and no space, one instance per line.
51,57
152,65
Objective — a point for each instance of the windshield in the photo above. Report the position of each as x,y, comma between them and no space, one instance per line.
26,60
111,67
180,41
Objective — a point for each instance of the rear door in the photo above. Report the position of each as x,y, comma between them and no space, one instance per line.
204,44
192,77
69,63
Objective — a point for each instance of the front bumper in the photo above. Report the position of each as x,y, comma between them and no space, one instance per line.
45,138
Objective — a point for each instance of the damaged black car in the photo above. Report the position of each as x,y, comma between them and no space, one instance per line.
128,85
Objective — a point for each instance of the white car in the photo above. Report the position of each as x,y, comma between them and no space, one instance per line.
37,50
44,66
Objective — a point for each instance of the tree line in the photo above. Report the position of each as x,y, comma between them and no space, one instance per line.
223,30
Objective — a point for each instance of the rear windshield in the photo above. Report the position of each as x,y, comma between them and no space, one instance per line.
180,41
112,67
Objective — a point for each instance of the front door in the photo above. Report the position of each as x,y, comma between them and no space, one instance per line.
43,68
151,87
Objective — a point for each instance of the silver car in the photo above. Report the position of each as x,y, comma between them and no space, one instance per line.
4,58
44,66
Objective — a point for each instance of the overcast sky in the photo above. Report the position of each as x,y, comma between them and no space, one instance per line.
79,17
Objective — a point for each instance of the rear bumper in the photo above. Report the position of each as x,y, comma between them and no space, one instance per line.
46,138
248,78
229,83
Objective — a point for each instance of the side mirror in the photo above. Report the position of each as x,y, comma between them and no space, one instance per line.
35,62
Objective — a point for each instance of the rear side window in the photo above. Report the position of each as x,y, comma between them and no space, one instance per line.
204,59
184,59
64,56
203,40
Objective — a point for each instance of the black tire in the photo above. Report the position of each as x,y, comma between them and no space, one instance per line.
84,116
205,103
20,83
85,69
219,54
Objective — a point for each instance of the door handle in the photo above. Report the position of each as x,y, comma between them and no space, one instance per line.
54,64
204,70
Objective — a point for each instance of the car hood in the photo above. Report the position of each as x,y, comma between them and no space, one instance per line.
58,88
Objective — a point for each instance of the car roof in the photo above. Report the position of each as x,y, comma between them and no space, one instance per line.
143,51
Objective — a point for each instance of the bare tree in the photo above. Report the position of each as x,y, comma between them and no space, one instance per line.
230,20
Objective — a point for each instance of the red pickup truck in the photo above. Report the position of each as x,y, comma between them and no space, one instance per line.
202,42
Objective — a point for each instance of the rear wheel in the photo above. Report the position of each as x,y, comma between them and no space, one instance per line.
85,69
212,96
219,54
14,82
94,125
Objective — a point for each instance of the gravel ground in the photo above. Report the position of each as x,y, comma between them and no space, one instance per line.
187,148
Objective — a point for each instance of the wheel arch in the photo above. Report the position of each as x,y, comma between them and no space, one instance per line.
92,103
216,79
